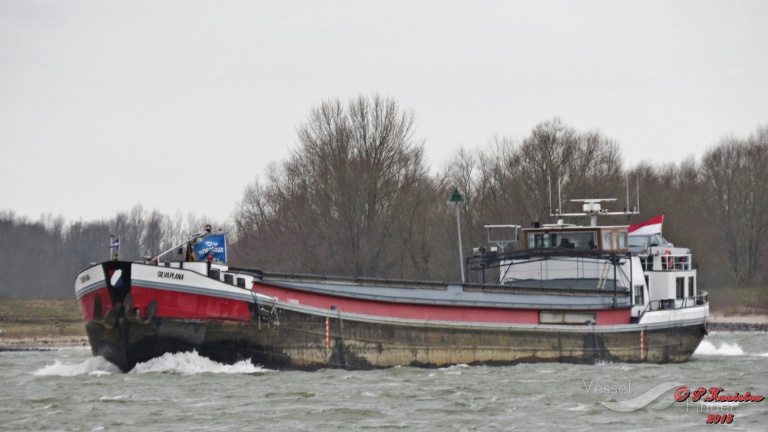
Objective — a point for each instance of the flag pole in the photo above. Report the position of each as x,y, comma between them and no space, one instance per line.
114,248
457,198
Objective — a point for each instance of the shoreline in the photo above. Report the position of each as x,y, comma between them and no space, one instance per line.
41,343
736,327
731,323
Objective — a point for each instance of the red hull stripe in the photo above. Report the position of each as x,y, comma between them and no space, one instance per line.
424,312
87,302
177,304
171,304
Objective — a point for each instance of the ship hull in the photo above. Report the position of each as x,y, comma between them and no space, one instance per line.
300,341
133,323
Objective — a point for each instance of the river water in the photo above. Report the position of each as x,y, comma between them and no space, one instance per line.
68,389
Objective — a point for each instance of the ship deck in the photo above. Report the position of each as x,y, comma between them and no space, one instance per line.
553,293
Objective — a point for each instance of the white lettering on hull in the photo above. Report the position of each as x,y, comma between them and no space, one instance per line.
170,275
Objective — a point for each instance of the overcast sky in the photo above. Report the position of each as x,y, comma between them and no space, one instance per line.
178,106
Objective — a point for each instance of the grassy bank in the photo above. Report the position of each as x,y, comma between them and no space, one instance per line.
24,318
739,301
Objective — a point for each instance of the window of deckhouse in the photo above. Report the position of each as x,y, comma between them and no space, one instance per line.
639,297
680,282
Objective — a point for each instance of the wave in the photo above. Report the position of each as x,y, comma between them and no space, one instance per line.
92,366
725,349
192,363
186,363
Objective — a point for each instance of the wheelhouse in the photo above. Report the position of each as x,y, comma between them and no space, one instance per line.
605,238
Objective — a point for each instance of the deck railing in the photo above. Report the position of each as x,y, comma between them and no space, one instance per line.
699,299
667,262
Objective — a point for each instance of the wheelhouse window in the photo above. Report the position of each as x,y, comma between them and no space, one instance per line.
538,240
563,239
606,240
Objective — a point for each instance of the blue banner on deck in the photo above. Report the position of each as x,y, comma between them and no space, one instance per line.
214,245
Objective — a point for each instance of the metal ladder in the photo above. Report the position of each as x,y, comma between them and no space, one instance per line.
603,276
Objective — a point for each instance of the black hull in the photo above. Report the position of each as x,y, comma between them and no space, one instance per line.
298,341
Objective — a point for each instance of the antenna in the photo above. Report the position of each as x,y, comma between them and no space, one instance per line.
549,184
504,233
627,207
592,206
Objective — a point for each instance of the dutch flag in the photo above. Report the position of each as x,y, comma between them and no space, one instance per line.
651,226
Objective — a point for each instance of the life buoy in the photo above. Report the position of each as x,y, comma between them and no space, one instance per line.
669,263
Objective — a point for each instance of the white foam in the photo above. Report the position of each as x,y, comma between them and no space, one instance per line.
92,366
191,363
113,398
580,407
453,369
725,349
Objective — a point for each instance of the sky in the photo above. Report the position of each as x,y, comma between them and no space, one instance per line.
180,105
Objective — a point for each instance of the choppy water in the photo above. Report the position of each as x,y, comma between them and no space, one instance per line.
68,389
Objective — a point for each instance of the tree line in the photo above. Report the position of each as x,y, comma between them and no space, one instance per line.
42,258
356,197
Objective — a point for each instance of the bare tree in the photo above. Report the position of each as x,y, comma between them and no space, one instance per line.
37,264
88,242
63,249
463,173
559,159
336,201
734,174
515,179
152,242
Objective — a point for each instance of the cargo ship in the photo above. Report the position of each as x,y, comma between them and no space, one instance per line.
561,293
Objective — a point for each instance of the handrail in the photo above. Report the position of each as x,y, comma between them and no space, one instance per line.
698,300
478,264
491,259
667,262
198,235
